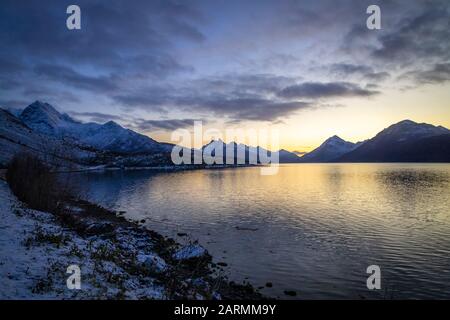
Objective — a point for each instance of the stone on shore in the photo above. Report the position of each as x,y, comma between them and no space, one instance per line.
191,251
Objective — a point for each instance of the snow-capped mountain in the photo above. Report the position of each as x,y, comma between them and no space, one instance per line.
242,153
42,130
408,129
16,137
45,119
405,141
329,150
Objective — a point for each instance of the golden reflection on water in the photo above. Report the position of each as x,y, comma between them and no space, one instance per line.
317,225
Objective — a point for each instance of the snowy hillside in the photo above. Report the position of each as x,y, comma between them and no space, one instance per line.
16,137
110,136
64,142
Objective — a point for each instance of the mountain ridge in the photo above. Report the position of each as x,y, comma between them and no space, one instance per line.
109,136
404,141
329,150
41,126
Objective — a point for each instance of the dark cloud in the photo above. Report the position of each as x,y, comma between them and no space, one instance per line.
253,109
257,97
116,40
138,55
236,97
134,123
256,108
423,36
439,73
16,104
377,76
346,69
165,125
95,116
68,76
317,90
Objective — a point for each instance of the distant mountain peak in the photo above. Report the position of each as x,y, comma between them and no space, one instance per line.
335,138
408,128
41,107
406,121
44,117
330,149
404,141
112,124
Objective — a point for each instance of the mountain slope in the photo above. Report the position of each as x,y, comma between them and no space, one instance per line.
406,141
285,156
329,150
16,137
110,136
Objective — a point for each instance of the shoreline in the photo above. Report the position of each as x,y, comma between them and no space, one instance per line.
119,258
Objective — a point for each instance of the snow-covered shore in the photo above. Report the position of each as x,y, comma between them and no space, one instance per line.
118,259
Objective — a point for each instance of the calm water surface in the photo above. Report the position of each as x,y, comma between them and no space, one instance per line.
312,228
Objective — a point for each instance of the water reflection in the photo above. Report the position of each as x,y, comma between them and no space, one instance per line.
311,228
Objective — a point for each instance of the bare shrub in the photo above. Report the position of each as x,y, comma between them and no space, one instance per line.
33,182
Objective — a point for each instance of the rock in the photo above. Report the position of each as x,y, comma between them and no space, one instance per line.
152,262
269,285
199,297
246,228
216,296
222,264
191,251
290,293
181,234
99,228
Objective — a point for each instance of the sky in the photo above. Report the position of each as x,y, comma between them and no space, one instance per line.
309,69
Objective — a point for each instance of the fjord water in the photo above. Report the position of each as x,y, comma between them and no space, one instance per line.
311,228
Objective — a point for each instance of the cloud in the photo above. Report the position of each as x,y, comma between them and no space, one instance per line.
95,116
253,109
16,104
116,41
240,62
238,97
135,123
377,76
346,69
438,73
317,90
68,76
165,125
248,97
420,36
